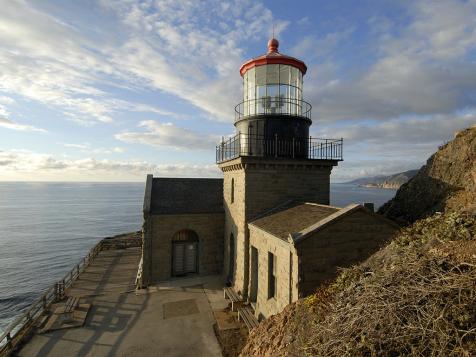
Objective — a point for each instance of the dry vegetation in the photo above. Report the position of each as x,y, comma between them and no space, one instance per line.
416,297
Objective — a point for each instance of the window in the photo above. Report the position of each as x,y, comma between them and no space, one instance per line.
261,75
232,198
272,74
284,74
272,280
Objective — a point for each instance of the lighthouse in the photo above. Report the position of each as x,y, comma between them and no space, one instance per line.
271,160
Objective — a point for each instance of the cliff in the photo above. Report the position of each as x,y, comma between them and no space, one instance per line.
415,297
390,181
446,183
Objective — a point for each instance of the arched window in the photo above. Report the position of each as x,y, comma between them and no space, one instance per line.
232,190
185,235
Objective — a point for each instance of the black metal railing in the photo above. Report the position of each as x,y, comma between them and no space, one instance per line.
273,106
275,147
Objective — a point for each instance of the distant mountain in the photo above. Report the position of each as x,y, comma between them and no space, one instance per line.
391,181
446,183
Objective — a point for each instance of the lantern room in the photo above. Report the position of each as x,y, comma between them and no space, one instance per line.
272,84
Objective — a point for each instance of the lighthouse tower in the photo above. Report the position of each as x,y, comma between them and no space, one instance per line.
271,160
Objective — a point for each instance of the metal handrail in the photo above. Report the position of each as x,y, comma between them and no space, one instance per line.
276,147
273,106
22,324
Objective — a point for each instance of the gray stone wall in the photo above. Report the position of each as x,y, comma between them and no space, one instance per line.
209,228
262,184
235,224
349,240
286,270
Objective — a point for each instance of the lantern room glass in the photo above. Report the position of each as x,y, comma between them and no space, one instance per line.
272,89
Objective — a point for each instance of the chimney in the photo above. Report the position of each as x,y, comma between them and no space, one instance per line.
369,206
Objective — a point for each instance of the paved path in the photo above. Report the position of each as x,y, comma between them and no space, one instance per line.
171,319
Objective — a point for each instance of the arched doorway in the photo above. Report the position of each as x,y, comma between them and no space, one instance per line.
231,263
184,252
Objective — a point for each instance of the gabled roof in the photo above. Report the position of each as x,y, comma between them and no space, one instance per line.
186,195
295,223
292,218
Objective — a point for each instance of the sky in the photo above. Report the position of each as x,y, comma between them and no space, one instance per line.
112,90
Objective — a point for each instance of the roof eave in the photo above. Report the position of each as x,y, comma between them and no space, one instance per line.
261,61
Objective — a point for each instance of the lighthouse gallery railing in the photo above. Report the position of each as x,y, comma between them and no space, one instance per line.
273,105
260,146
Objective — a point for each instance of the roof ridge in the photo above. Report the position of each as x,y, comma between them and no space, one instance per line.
321,205
275,209
325,221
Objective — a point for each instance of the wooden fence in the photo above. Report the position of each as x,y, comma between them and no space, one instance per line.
23,325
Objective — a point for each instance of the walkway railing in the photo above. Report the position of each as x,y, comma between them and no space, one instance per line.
260,146
22,325
273,105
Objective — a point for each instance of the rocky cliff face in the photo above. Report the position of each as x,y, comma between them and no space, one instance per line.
446,183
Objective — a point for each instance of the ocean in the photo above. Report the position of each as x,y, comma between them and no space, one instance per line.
46,228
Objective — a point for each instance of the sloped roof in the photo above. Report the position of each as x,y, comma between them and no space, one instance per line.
186,195
293,223
293,218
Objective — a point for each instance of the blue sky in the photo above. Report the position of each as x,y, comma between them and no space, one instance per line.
112,90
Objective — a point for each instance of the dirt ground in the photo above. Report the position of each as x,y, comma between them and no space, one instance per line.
231,340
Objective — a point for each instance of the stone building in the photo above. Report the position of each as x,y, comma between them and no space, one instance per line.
267,225
183,227
298,246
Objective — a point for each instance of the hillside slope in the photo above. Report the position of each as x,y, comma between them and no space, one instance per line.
415,297
446,182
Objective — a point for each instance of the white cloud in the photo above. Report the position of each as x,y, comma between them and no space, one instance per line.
423,69
194,47
313,47
169,135
412,130
6,100
7,123
77,146
88,149
56,64
393,146
28,165
190,49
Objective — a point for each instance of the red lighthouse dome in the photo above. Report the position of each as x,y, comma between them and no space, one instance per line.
273,57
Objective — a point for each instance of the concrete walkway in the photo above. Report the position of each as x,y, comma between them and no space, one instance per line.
170,319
